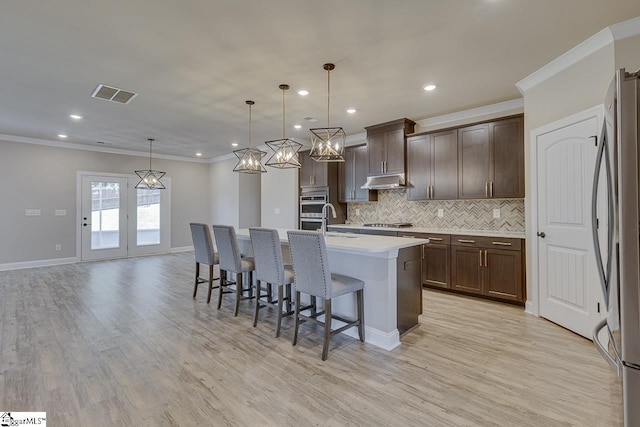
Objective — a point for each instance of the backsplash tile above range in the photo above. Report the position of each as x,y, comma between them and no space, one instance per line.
393,206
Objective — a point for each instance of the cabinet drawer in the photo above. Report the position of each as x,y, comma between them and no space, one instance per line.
442,239
487,242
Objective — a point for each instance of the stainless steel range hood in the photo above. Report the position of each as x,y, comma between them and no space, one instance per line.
384,182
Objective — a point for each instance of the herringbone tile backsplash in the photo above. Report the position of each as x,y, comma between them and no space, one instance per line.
392,206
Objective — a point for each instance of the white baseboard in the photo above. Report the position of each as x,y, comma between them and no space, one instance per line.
37,263
181,249
385,340
528,307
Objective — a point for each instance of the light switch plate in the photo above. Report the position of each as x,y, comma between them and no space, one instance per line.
357,211
440,213
276,211
32,212
60,212
496,213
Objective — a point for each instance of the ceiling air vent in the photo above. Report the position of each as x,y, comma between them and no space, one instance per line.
311,119
114,94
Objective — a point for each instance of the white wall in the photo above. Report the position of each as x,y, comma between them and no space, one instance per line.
280,191
43,177
250,199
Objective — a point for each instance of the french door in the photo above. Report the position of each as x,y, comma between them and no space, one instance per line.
117,220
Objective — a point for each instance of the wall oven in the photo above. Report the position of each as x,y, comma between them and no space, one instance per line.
311,203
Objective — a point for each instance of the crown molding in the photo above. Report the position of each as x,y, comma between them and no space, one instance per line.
607,36
72,146
513,106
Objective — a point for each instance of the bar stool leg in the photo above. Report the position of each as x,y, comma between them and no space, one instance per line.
223,281
255,313
195,288
279,320
296,322
238,293
327,328
360,297
210,283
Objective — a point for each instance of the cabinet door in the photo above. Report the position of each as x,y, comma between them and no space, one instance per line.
345,176
473,162
435,265
503,274
306,169
444,176
507,153
321,174
466,269
395,151
377,152
419,167
360,172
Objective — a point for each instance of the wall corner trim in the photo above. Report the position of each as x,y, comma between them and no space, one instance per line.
528,308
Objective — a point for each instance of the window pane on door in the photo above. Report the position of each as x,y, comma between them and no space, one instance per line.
148,214
105,215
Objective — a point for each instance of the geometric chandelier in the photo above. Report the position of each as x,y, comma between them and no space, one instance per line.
150,179
328,143
249,159
285,150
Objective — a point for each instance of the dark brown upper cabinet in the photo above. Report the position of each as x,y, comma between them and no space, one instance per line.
352,174
432,166
386,146
491,160
312,173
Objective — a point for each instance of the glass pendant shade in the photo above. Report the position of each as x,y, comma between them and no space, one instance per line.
285,150
149,178
249,159
327,144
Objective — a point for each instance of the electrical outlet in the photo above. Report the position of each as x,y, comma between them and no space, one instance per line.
276,211
357,211
60,212
496,213
58,247
32,212
440,213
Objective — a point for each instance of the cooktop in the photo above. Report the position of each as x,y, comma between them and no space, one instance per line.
389,224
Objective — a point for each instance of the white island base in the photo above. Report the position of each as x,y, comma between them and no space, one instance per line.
390,268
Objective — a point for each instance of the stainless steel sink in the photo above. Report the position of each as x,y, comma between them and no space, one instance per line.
341,235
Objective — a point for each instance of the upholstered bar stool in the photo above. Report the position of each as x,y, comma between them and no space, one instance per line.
232,262
205,254
270,270
313,276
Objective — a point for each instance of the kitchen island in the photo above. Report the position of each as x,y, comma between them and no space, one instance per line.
390,269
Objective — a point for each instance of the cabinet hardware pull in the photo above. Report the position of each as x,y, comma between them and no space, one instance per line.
480,253
466,241
435,239
501,243
485,258
486,189
491,188
381,166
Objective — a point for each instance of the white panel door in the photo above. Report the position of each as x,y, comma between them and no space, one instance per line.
569,291
103,217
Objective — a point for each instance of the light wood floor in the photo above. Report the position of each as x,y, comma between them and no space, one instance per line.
123,343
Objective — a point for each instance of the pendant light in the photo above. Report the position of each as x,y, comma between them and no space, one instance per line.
328,143
150,179
285,150
249,159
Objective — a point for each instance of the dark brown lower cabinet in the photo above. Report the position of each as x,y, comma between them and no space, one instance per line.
435,259
488,266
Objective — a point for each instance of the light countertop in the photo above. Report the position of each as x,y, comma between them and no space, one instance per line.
354,243
480,233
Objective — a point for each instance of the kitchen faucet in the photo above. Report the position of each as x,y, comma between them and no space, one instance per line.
324,217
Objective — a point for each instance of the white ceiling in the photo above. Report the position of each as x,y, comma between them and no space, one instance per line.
194,63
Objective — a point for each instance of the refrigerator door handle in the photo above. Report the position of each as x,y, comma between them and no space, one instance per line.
604,276
603,351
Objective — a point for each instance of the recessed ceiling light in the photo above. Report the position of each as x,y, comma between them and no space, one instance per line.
429,87
234,144
297,126
61,135
75,117
198,154
303,92
351,110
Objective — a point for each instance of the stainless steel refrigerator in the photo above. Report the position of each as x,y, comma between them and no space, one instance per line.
618,254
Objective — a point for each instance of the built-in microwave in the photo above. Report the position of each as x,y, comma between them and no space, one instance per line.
311,203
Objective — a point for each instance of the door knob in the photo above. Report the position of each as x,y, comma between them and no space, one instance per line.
541,234
85,224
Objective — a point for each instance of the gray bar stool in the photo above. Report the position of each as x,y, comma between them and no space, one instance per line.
270,269
232,262
312,276
204,253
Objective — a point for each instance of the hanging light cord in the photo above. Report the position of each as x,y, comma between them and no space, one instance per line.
150,142
283,112
328,97
249,126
